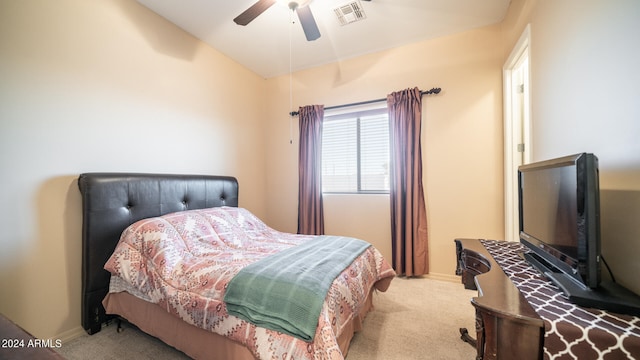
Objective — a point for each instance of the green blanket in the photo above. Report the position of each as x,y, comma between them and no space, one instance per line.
285,291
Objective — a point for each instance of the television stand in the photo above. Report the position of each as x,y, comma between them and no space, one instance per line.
609,295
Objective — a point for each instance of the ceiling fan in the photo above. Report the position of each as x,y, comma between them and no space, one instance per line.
301,7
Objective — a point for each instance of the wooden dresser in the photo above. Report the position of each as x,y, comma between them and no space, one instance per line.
507,327
520,314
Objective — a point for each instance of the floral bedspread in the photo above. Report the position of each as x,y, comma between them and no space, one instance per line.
183,262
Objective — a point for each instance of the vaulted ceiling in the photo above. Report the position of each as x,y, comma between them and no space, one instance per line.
274,43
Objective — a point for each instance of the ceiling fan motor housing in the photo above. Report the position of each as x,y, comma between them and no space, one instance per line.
293,5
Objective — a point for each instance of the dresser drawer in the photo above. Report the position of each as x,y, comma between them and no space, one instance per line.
475,263
470,264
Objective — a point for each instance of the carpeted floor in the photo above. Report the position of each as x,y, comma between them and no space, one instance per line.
416,318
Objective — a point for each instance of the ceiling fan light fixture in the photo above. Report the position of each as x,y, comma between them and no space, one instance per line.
294,4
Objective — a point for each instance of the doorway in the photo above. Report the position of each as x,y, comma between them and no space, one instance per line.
517,128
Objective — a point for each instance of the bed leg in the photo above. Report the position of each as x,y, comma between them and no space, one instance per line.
119,328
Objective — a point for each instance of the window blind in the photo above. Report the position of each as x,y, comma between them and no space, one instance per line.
355,152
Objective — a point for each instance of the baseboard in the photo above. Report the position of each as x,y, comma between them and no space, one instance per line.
70,334
443,277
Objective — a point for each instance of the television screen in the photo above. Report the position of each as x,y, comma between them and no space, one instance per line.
552,218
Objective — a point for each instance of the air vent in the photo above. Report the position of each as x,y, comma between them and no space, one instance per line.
350,12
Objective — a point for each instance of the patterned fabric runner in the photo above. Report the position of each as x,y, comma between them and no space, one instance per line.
571,332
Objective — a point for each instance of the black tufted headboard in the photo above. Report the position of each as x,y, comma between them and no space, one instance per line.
113,201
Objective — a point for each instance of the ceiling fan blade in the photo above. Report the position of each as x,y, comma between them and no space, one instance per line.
308,23
251,13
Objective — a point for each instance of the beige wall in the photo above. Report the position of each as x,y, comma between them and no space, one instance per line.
104,86
584,78
461,139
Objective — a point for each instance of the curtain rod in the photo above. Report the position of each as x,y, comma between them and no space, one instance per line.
428,92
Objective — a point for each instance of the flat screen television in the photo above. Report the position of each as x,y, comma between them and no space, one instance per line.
559,203
560,215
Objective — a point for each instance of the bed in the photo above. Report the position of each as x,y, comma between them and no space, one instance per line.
136,202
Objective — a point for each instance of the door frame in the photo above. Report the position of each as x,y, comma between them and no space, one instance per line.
517,125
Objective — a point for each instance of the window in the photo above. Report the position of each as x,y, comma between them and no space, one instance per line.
355,152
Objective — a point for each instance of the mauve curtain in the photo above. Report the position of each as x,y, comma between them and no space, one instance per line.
310,212
409,237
